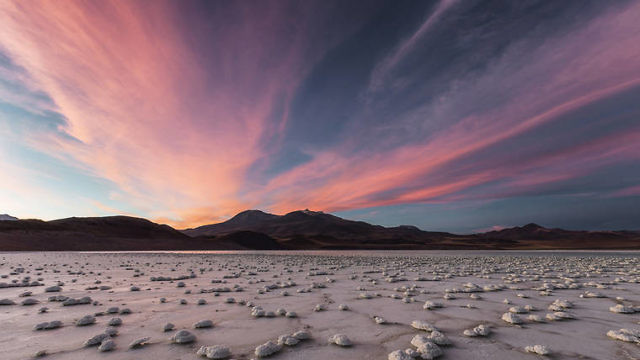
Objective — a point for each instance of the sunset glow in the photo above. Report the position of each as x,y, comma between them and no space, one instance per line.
188,112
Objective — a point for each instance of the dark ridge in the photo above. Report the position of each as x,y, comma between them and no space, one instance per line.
303,229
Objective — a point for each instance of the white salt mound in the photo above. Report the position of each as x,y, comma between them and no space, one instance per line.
511,318
139,343
430,305
107,345
96,340
420,340
627,335
422,325
86,320
538,349
480,330
439,338
287,340
429,351
340,340
203,324
183,337
621,309
214,352
267,349
301,335
399,355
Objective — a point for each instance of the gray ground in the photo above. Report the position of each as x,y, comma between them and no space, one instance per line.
347,279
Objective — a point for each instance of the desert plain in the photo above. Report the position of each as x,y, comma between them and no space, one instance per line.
320,305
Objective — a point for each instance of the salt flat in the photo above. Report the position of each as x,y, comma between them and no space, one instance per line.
321,305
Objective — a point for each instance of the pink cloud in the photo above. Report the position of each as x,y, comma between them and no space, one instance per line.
170,131
567,74
629,191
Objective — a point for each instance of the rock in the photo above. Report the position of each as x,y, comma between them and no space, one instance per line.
183,337
54,288
168,327
267,349
343,307
7,302
115,322
340,340
538,349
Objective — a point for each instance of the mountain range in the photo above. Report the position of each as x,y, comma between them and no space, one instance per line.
6,217
297,230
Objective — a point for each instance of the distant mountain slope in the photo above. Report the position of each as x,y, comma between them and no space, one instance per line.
95,233
304,230
245,220
308,223
540,237
119,226
7,217
246,240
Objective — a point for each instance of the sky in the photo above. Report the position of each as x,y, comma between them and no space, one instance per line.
450,115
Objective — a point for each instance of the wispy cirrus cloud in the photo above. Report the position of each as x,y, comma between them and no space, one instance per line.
535,90
173,127
192,111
